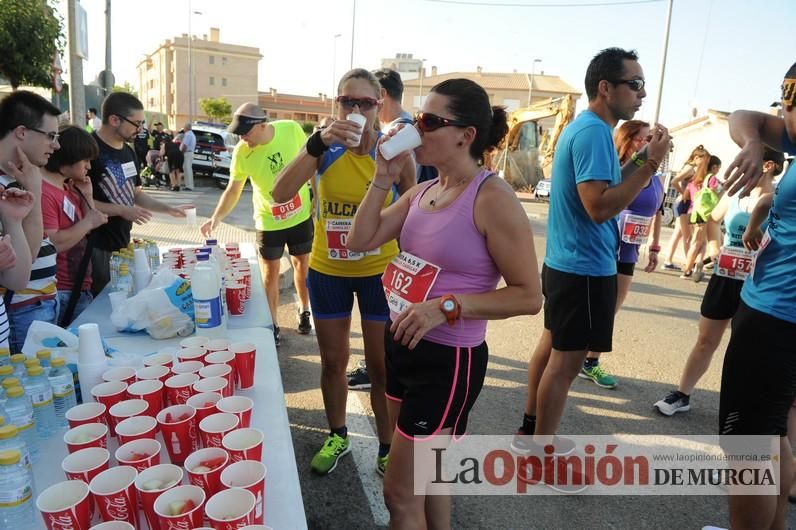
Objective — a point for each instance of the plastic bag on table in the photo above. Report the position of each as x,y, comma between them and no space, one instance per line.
164,309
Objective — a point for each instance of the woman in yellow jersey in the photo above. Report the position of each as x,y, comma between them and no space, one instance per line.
342,159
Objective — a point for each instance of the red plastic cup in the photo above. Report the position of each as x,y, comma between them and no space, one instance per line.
158,372
91,412
217,345
194,342
219,370
179,388
213,384
127,409
114,492
109,394
178,426
87,435
85,465
113,525
213,428
124,374
140,454
65,506
136,428
251,527
213,458
191,519
223,357
192,354
150,391
205,404
245,354
162,358
230,509
244,444
250,475
187,367
240,406
150,483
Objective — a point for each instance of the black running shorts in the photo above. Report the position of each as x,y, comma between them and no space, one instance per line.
437,385
271,243
579,310
758,381
722,297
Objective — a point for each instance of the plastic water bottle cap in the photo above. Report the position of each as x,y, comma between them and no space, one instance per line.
31,362
6,370
10,383
211,242
9,458
15,391
4,352
8,431
35,370
57,362
43,354
18,358
202,257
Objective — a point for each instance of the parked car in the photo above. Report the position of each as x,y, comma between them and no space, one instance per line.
213,151
542,189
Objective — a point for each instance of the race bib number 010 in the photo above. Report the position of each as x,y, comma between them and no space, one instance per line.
408,280
735,262
636,229
286,210
336,239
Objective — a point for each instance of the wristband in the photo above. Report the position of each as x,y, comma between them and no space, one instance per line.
654,248
373,183
653,164
638,161
315,145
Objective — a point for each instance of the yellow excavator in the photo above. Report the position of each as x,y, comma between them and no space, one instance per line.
526,154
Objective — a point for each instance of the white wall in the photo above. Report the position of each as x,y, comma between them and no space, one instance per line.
714,134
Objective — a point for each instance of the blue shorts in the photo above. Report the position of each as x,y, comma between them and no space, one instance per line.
21,318
333,296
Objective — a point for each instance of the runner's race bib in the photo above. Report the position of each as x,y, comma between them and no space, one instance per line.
735,262
336,238
408,280
636,229
286,210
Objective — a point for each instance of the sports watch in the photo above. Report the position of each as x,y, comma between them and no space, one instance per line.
451,308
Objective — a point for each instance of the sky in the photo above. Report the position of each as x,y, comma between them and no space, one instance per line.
723,54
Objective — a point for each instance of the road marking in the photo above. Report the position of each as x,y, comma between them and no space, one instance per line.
364,448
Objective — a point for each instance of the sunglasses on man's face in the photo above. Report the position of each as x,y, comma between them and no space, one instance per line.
634,84
428,122
349,103
789,92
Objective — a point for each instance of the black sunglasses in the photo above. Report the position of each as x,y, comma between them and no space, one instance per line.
428,122
349,103
136,124
634,84
53,136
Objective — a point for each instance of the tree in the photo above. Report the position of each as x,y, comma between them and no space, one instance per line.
31,33
126,87
216,108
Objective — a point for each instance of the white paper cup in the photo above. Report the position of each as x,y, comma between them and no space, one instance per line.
404,140
360,120
190,216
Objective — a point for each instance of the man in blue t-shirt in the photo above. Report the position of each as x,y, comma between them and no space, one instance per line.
758,381
579,275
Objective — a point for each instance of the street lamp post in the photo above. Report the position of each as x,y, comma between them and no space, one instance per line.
334,71
420,91
191,76
530,80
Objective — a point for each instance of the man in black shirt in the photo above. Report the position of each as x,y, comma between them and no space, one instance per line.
117,184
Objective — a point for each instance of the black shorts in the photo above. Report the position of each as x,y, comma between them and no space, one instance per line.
271,243
579,310
625,268
722,297
175,159
758,381
437,385
681,207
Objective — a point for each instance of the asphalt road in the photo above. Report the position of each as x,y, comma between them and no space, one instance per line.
653,335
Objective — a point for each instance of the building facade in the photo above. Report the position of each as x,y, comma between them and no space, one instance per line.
302,109
166,85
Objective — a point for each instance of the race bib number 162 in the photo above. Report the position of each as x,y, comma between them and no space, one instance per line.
408,280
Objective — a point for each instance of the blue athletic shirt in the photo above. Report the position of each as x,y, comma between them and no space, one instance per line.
771,289
575,243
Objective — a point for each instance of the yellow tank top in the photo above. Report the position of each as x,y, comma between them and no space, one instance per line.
343,179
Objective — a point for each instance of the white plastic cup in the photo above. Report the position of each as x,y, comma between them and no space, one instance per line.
90,350
404,140
118,299
190,216
360,120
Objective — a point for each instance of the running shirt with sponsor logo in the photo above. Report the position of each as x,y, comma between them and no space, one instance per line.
771,288
262,164
575,243
343,179
114,177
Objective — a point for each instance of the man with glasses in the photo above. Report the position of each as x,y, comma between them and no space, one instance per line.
117,184
28,136
261,155
579,274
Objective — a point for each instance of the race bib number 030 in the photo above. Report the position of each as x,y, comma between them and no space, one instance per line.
336,238
286,210
735,262
408,280
636,229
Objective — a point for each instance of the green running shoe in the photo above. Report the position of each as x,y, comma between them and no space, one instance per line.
381,463
598,375
326,459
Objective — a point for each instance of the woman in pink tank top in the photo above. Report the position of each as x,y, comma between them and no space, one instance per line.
459,234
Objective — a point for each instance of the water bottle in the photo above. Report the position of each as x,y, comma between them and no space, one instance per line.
11,440
41,397
44,357
21,411
29,363
153,252
16,492
63,385
206,290
5,356
18,362
125,282
11,381
116,260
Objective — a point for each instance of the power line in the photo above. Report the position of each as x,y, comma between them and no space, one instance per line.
581,4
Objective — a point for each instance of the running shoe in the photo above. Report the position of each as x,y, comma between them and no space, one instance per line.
523,444
686,275
277,336
305,326
381,464
669,267
360,364
358,379
675,401
698,272
710,266
597,374
326,459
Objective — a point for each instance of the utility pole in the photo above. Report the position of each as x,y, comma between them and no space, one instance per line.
663,60
353,30
108,65
77,97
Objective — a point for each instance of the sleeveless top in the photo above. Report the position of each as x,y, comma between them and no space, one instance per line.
646,204
736,221
449,239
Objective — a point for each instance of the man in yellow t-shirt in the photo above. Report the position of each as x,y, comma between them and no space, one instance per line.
265,149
